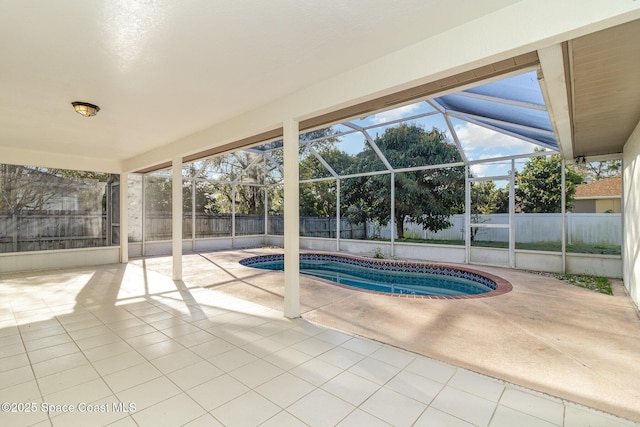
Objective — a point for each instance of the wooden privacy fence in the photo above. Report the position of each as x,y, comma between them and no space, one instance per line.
326,227
41,230
158,226
319,227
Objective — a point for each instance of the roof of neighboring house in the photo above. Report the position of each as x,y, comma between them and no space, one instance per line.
607,187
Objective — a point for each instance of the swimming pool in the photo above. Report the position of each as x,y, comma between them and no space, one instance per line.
390,277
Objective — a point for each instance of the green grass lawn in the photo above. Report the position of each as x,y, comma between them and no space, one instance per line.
594,283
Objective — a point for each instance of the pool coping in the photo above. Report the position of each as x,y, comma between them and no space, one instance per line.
502,286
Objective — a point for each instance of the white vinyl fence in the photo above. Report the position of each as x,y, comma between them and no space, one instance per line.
587,228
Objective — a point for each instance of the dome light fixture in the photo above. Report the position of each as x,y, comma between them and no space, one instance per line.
85,109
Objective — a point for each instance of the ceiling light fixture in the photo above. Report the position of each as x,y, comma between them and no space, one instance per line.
85,109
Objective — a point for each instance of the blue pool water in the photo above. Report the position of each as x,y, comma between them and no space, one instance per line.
374,279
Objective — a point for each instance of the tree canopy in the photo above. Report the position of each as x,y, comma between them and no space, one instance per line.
487,198
427,197
595,171
539,185
319,198
35,188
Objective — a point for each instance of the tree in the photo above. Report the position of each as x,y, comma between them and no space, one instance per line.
19,188
487,199
33,188
538,186
205,197
251,167
217,195
427,197
595,171
319,198
157,193
92,185
248,170
28,189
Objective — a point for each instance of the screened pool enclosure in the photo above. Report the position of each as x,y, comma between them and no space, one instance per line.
435,172
470,176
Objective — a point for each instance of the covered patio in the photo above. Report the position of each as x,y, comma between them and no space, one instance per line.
111,292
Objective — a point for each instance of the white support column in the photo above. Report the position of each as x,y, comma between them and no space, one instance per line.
338,218
467,216
176,217
622,222
266,211
144,215
193,214
291,220
124,217
563,210
512,215
233,215
393,214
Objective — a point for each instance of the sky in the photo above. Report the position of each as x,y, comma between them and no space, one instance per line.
477,142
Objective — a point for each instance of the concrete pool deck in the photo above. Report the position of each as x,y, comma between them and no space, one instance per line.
545,335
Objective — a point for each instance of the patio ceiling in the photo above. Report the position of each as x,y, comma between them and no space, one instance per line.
164,71
161,70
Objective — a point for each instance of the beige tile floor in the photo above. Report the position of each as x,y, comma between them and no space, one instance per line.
124,345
